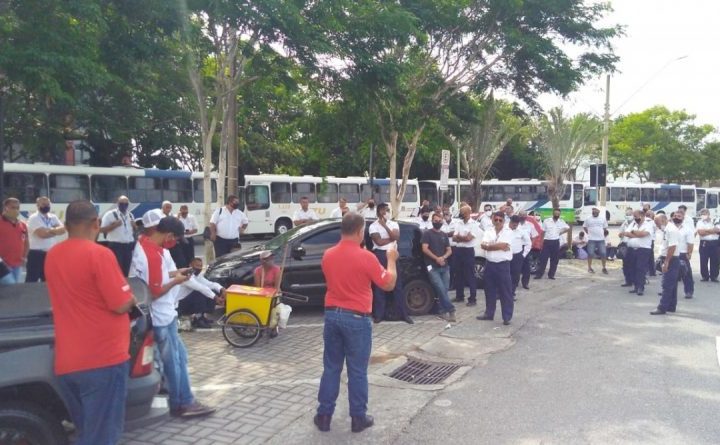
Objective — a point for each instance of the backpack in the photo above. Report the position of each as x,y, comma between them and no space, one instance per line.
206,233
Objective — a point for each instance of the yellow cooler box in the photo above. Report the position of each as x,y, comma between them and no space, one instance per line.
259,300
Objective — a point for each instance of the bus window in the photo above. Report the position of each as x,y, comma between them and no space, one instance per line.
590,196
351,192
448,198
257,197
69,188
617,194
411,193
26,187
143,189
177,190
327,193
542,193
107,188
577,196
280,192
303,189
712,200
568,192
647,194
198,190
429,191
663,194
466,193
675,195
633,194
688,195
700,201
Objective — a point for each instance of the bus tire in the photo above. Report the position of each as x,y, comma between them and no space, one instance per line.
282,225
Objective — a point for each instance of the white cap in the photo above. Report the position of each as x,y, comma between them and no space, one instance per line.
151,218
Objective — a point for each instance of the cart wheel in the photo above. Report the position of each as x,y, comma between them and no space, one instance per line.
241,329
273,332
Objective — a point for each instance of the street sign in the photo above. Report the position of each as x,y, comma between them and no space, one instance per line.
444,175
445,159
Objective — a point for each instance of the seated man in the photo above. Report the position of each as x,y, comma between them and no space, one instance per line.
609,248
267,273
199,296
579,244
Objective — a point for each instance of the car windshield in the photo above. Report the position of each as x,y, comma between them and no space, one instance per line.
282,239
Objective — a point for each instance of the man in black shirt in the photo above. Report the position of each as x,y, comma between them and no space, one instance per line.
436,247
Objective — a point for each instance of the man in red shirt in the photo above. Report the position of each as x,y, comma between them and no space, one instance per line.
90,300
13,242
349,273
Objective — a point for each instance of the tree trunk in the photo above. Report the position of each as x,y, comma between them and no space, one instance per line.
391,148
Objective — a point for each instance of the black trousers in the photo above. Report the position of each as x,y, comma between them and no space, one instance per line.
641,255
123,253
709,255
668,301
629,265
178,255
525,279
380,296
189,249
35,270
498,286
516,266
224,246
195,303
550,251
651,263
465,275
687,278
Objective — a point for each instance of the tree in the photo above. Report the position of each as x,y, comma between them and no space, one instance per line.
564,143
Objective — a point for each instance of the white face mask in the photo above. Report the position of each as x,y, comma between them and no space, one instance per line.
488,213
706,217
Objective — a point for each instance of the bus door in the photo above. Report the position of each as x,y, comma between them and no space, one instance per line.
257,209
699,200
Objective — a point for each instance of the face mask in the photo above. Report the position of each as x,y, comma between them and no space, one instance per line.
44,209
123,206
677,221
169,244
235,205
596,214
437,225
556,217
197,271
705,217
488,213
371,205
522,220
425,217
638,220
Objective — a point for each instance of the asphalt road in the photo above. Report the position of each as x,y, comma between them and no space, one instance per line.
590,366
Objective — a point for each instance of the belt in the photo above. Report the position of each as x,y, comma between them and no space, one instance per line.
349,311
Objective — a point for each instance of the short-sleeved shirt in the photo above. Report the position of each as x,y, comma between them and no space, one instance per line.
437,242
596,226
424,225
349,272
552,228
687,236
463,228
486,222
270,278
122,233
301,214
707,225
153,264
646,241
448,228
228,222
376,227
37,221
368,213
671,237
493,237
521,241
189,222
12,241
86,285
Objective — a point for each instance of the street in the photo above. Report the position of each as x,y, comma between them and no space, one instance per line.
582,362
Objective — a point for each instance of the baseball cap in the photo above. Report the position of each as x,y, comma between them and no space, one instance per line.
265,254
151,218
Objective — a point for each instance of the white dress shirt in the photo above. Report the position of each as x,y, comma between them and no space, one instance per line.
529,228
301,214
646,241
369,213
595,226
38,221
492,237
162,309
201,284
485,222
521,242
552,228
671,237
424,225
337,213
380,230
189,222
228,223
448,228
471,227
687,236
707,225
122,233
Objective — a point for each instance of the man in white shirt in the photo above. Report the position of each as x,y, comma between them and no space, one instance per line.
485,220
467,235
685,246
198,296
118,227
595,229
553,229
497,244
424,219
226,225
367,209
191,228
166,208
709,244
529,228
385,234
304,215
341,210
44,230
670,267
639,236
521,245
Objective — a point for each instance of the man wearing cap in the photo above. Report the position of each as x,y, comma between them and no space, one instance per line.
118,226
152,265
267,273
595,227
226,225
349,272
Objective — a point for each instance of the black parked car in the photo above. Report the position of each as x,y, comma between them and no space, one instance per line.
304,276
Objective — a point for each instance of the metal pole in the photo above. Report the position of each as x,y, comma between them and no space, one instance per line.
605,141
457,186
372,175
2,143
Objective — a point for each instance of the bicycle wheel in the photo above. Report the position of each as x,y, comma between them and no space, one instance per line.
242,328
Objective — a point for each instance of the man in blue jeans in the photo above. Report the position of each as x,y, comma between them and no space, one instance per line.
349,272
436,247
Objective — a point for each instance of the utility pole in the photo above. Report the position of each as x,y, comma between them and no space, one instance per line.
232,147
457,186
605,140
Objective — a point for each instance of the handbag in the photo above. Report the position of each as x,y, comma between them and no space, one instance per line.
621,250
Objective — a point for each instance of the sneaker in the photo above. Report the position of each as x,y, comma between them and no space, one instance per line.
195,409
604,271
201,323
185,325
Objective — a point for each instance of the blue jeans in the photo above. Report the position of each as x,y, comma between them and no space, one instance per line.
13,277
174,360
96,401
348,338
440,279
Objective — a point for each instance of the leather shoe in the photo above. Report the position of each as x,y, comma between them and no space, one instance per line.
408,320
714,280
526,287
688,296
484,317
625,285
322,421
632,291
458,300
657,312
704,279
359,423
471,303
506,322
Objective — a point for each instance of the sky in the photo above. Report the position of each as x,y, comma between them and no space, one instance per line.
657,33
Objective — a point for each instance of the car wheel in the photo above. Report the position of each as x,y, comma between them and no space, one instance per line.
282,226
27,423
419,296
480,272
534,260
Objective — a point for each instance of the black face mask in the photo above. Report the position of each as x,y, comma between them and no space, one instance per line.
677,221
371,205
522,219
123,206
235,205
425,217
437,225
45,209
197,271
638,220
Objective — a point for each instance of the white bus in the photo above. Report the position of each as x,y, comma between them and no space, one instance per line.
707,198
661,197
527,194
145,187
271,200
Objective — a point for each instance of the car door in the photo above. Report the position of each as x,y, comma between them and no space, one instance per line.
304,275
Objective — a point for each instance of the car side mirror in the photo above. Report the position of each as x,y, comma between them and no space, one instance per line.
298,252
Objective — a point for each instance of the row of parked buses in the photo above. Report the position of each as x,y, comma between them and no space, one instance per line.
270,200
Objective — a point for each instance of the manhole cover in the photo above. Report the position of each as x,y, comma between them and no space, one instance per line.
424,373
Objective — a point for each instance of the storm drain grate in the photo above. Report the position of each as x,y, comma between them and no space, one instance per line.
424,373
